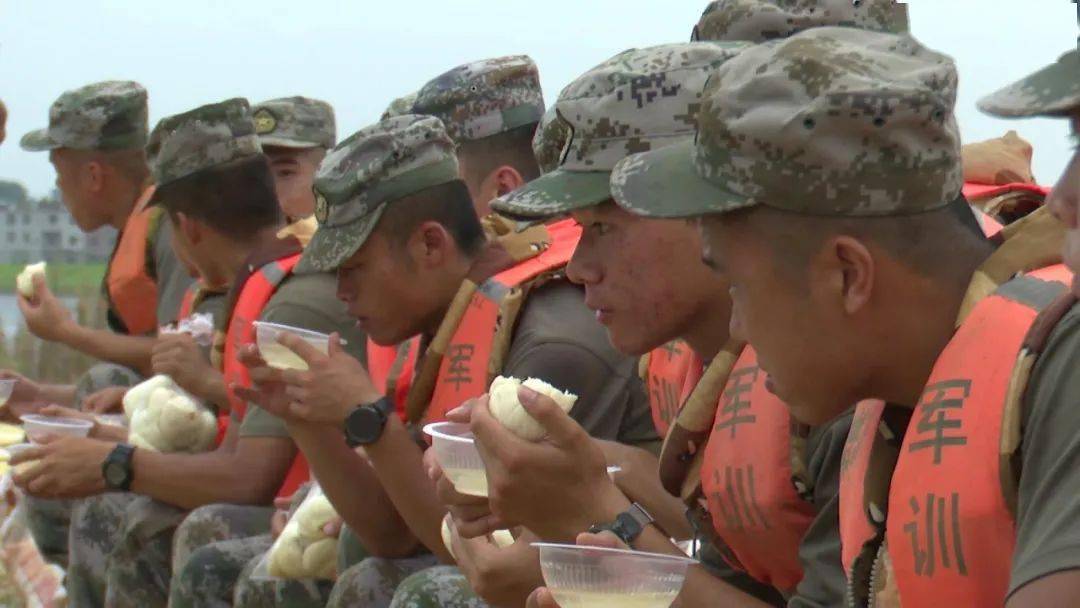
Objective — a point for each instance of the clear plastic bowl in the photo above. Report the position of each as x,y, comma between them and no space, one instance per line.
37,425
455,449
456,452
6,388
279,356
580,576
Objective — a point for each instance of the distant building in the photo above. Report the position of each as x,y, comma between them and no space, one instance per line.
31,231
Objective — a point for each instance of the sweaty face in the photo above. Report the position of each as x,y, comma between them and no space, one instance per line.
1064,201
643,278
786,322
294,174
382,291
73,182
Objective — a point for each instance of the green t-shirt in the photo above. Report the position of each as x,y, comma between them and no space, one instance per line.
308,301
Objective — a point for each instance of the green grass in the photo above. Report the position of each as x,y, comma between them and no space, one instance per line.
63,278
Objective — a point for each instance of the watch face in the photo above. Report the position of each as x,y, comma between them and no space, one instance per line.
366,425
115,474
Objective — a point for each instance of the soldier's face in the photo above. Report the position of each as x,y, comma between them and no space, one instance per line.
1064,201
74,182
791,326
644,279
382,292
294,174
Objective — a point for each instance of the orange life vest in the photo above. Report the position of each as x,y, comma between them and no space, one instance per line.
187,305
949,526
671,373
393,367
253,297
972,190
130,287
464,370
748,479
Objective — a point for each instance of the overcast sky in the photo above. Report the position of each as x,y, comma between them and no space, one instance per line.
359,54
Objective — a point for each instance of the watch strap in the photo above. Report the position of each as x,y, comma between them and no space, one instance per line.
120,456
628,525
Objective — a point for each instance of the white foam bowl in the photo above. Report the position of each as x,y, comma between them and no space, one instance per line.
37,425
455,449
279,356
6,388
597,577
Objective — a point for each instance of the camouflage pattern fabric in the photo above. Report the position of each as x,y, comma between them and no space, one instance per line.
438,587
96,526
400,106
202,138
372,582
549,141
295,122
48,521
833,121
211,575
639,100
484,98
763,20
378,165
211,524
101,376
108,115
1051,91
140,564
255,592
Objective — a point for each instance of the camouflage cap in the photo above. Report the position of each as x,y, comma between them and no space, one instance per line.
202,138
400,106
639,100
484,98
1052,91
763,20
549,141
295,122
364,174
108,115
833,121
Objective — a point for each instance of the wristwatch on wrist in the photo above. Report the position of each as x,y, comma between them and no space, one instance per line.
628,525
365,424
117,469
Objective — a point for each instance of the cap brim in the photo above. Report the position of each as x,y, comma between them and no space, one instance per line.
330,246
284,142
1052,91
664,184
556,193
38,141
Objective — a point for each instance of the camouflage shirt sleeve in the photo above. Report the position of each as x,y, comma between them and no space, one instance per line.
823,582
171,276
308,301
1048,504
558,340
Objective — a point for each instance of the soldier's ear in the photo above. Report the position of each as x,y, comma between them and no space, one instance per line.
94,174
505,180
846,268
430,245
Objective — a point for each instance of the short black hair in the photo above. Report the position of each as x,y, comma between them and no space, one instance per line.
235,198
513,148
447,204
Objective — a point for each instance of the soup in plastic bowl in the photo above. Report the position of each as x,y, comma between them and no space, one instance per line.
597,577
280,356
37,426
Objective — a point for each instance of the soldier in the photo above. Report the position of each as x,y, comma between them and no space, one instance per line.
95,141
295,133
1053,91
215,183
491,109
839,229
388,189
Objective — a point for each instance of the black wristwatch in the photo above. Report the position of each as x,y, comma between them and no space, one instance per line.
628,525
365,424
117,469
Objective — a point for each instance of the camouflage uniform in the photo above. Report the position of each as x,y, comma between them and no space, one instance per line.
549,141
295,122
108,115
1053,91
436,587
373,581
96,528
763,20
484,98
